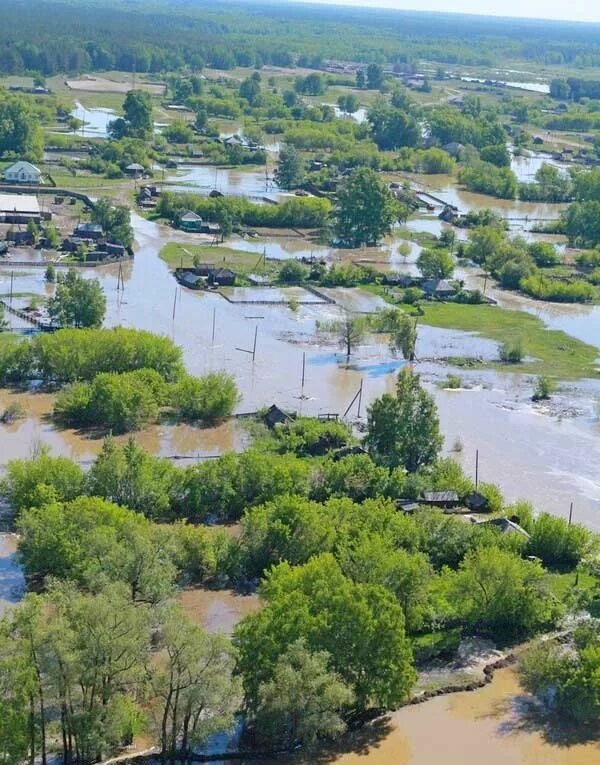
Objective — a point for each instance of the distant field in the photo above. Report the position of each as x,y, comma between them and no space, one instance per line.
96,84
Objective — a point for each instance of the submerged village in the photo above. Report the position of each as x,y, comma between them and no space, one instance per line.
299,388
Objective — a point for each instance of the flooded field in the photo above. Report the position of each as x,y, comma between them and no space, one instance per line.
202,179
12,581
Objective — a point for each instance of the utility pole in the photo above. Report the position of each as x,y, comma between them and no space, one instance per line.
476,468
213,325
571,514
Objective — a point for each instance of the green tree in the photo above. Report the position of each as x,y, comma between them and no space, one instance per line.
127,475
303,702
348,103
568,681
290,170
137,112
78,302
349,331
497,592
393,128
435,264
115,221
403,337
360,626
195,691
365,209
43,478
52,236
374,76
209,398
361,79
20,131
404,429
556,542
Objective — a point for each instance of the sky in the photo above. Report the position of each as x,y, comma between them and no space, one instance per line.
572,10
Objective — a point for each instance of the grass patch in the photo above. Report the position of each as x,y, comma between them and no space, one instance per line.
554,352
563,585
240,261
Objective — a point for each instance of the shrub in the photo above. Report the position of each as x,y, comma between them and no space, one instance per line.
511,351
207,398
118,402
558,543
544,387
310,436
292,272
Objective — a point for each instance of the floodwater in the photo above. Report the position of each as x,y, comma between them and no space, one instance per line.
252,183
96,120
534,87
217,610
550,457
526,165
12,581
494,725
516,212
182,443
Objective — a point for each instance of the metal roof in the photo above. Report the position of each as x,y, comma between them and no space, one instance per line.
19,203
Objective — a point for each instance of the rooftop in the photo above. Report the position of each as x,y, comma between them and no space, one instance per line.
19,203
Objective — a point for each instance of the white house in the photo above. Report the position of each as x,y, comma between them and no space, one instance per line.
23,172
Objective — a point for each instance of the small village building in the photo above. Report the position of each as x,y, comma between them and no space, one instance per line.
276,416
189,279
115,250
19,208
477,502
88,231
444,499
224,277
506,526
23,172
407,505
134,170
20,238
190,221
438,288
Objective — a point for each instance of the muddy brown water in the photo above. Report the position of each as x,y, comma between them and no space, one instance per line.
217,610
545,457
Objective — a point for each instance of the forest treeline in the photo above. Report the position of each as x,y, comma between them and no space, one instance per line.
88,35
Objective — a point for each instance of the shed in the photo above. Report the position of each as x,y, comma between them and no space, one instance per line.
506,526
477,502
445,499
134,170
223,276
276,416
438,288
23,172
19,208
3,248
407,505
115,250
24,238
88,231
190,221
189,279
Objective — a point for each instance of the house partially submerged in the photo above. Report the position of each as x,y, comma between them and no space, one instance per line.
276,416
190,221
205,273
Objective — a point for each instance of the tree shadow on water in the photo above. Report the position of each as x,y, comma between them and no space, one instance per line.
530,716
